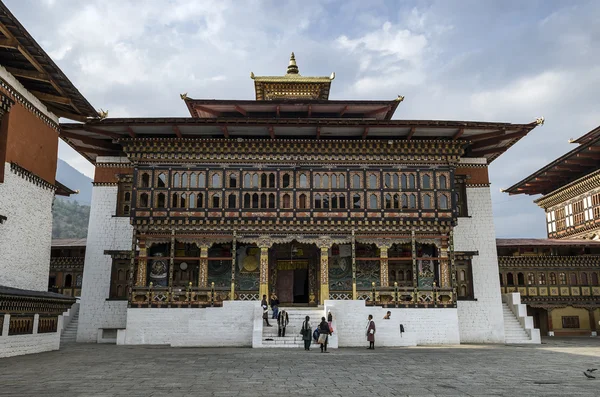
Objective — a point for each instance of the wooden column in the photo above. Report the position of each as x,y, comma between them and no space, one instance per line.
172,259
264,243
203,271
444,268
550,325
452,266
592,320
414,265
354,294
383,264
324,295
141,265
233,258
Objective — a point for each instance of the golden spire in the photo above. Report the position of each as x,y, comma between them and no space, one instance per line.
292,67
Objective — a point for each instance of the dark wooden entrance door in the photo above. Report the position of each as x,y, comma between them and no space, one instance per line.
285,286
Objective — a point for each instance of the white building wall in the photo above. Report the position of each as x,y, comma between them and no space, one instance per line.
230,325
430,326
481,320
105,232
26,236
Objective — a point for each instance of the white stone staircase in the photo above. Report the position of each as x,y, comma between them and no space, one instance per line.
518,326
292,338
69,334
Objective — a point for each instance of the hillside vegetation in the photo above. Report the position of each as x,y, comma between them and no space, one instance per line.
69,219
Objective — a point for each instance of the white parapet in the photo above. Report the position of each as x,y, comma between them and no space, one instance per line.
480,320
430,326
17,345
231,325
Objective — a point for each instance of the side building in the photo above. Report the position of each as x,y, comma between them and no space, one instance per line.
66,266
327,203
557,280
34,93
558,277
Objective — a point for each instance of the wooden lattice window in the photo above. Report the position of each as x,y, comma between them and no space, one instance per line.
570,321
124,198
464,279
461,197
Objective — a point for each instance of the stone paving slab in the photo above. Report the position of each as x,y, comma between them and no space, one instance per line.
554,368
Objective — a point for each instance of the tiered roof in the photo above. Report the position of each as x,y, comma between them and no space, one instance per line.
285,110
567,169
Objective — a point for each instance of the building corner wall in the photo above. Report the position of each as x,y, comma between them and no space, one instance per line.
26,235
480,320
105,232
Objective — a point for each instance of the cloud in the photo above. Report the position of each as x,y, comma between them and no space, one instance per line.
472,60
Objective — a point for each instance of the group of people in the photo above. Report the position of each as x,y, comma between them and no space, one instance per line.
320,334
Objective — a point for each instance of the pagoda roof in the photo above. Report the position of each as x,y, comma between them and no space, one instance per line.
570,167
25,59
292,85
291,108
481,139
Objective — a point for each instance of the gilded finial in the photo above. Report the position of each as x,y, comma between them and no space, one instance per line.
252,75
332,76
103,114
292,67
539,121
400,98
183,96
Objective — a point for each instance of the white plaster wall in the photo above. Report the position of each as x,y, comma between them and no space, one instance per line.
480,321
26,236
105,232
17,345
431,326
230,325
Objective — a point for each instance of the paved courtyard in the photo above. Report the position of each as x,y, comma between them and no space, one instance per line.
551,369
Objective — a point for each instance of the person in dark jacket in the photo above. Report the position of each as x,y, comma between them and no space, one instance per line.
306,331
265,307
282,321
324,332
275,305
371,333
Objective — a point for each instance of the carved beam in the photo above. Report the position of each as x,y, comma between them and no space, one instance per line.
28,74
365,133
411,133
483,152
65,114
103,143
487,135
102,132
377,111
51,98
225,131
493,141
243,111
207,110
9,43
177,132
458,134
130,132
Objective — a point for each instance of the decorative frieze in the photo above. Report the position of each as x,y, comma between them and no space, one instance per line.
31,177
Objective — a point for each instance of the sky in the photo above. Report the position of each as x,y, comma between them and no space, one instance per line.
485,60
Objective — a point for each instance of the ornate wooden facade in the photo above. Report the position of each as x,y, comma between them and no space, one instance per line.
294,194
66,266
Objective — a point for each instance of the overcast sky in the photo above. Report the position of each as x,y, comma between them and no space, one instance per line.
501,60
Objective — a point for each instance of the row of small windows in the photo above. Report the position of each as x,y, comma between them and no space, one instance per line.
267,180
552,279
325,201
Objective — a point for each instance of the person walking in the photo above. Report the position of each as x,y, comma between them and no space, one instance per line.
371,333
282,321
275,305
306,333
265,307
324,333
